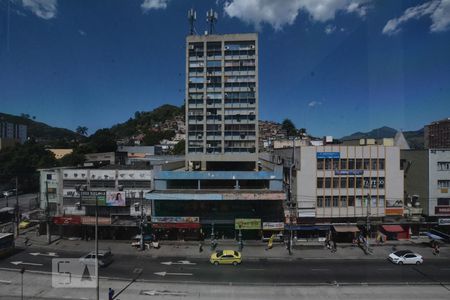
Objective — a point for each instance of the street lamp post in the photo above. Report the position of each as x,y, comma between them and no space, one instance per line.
96,249
368,224
22,270
141,223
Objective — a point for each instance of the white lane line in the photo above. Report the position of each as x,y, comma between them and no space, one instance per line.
320,269
5,281
254,269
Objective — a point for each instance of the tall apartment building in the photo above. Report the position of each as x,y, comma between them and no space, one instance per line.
222,102
437,135
11,133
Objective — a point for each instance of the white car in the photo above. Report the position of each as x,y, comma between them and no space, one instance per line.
406,257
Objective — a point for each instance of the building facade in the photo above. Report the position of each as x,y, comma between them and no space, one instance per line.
437,135
222,102
11,133
427,180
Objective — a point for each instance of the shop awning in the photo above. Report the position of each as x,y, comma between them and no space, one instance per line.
345,228
176,225
433,236
307,227
393,228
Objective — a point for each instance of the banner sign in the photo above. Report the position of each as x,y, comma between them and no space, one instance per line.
247,224
394,211
335,155
90,197
444,222
273,226
88,220
115,198
348,172
442,210
72,220
175,220
177,225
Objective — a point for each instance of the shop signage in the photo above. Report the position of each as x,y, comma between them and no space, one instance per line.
247,224
88,220
176,225
348,172
175,219
394,211
442,210
443,222
72,220
335,155
255,196
273,226
90,197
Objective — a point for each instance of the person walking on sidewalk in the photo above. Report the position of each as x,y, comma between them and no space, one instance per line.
200,247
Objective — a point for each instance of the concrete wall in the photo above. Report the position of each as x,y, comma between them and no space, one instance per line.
416,170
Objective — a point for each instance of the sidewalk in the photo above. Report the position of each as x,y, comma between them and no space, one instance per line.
254,250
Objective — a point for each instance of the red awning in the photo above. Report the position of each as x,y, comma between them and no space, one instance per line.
393,228
177,225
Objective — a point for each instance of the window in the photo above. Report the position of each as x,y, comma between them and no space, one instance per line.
381,164
351,182
320,163
351,164
335,182
327,182
320,201
358,182
335,164
358,201
373,201
443,184
358,164
343,182
381,201
381,182
374,164
343,201
443,166
49,176
335,201
344,164
351,200
366,163
327,201
327,164
443,201
319,182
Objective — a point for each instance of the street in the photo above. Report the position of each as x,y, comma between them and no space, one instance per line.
252,271
27,202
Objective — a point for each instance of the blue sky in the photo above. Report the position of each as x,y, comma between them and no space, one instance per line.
333,67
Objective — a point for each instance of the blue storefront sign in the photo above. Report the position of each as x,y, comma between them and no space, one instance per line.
348,172
335,155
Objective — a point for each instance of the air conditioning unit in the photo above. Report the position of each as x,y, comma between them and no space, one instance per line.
252,46
227,47
191,47
208,145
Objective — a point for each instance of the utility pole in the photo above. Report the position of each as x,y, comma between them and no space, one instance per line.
47,214
17,206
141,223
368,224
96,249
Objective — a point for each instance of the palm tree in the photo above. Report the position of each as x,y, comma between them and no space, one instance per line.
82,130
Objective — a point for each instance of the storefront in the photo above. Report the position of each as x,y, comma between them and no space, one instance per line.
275,229
345,233
248,229
308,233
396,232
177,228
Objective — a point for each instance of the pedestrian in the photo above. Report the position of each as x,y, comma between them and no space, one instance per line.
200,247
26,241
110,294
334,246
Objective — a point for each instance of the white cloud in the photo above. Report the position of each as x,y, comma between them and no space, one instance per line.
45,9
437,10
81,32
329,29
314,103
154,4
279,13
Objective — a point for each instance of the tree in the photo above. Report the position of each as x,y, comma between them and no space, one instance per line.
179,148
289,127
82,130
103,140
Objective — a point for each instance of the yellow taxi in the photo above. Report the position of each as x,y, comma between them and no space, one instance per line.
24,224
226,257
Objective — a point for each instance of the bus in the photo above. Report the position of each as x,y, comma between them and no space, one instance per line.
6,244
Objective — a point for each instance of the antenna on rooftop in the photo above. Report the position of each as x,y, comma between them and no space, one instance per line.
192,16
211,18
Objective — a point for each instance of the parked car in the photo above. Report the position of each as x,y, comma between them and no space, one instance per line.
226,257
9,193
104,258
406,257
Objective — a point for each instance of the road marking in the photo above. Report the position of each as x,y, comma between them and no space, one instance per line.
137,271
175,274
162,293
49,254
25,263
320,269
5,281
180,262
254,269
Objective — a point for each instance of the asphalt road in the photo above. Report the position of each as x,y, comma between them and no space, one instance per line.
251,272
